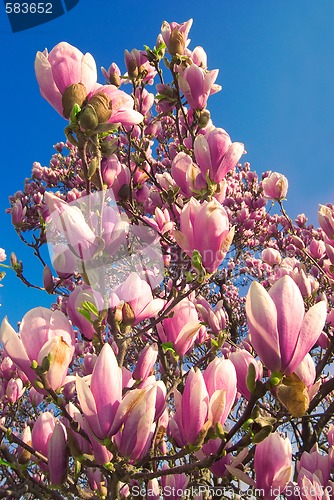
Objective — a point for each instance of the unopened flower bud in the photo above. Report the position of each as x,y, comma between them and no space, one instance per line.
102,106
74,94
132,68
204,119
39,384
262,434
275,186
176,43
92,167
251,377
114,79
199,441
46,364
128,316
298,242
47,279
88,118
293,394
23,454
13,260
108,147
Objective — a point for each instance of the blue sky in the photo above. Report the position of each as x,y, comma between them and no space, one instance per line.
276,69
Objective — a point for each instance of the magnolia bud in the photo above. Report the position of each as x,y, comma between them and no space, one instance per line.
74,94
251,377
132,68
176,42
262,434
128,316
114,79
199,441
88,118
23,454
102,106
108,147
47,279
92,167
292,393
13,260
45,364
204,119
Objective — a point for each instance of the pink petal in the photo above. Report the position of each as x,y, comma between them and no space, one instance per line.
262,321
14,348
126,117
202,154
106,387
230,160
48,88
35,330
88,406
290,314
310,331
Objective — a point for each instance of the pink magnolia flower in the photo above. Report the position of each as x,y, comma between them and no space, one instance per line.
70,222
186,174
138,66
113,74
144,100
174,485
175,36
199,57
121,105
207,397
182,328
271,256
63,261
65,65
216,154
67,77
221,381
137,414
273,464
326,220
281,333
138,294
316,463
205,227
43,333
146,361
18,213
114,230
42,432
14,389
57,457
215,318
75,300
275,187
197,84
110,168
191,409
100,401
241,360
311,487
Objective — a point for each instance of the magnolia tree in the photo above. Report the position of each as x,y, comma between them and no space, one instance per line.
187,353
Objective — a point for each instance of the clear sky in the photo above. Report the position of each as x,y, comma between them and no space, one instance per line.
276,68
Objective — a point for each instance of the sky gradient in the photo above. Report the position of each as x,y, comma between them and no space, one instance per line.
276,69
